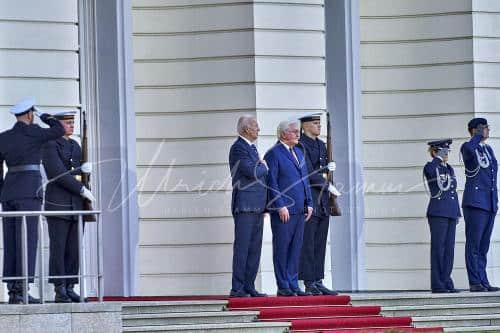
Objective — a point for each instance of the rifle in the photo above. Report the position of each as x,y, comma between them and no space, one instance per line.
87,205
333,206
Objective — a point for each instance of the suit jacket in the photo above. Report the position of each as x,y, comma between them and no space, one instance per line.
481,183
22,145
249,177
62,161
442,203
288,184
316,160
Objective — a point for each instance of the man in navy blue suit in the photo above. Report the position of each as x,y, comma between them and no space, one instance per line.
290,203
249,173
21,190
479,202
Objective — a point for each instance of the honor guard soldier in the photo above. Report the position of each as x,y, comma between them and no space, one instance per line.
479,202
62,163
21,190
443,213
312,259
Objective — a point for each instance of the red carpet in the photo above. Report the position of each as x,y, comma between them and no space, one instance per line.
325,314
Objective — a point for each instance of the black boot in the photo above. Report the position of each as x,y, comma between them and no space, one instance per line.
61,295
70,291
311,287
324,289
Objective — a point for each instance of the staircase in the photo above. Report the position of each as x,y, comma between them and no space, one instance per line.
463,312
193,317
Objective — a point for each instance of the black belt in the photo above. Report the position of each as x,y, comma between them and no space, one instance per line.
24,167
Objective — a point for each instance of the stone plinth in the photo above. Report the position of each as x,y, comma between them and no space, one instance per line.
61,318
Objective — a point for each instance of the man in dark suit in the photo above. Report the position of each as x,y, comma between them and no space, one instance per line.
479,202
312,259
21,190
249,173
290,203
65,191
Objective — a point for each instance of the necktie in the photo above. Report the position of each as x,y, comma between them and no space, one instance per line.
294,156
255,149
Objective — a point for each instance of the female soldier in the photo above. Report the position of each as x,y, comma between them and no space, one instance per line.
443,212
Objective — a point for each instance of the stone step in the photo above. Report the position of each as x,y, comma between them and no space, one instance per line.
457,321
423,298
441,310
473,329
163,319
130,308
254,327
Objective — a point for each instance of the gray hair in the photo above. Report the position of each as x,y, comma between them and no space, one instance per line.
284,126
244,122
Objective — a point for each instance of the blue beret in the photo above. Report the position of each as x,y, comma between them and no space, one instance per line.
440,143
477,121
22,107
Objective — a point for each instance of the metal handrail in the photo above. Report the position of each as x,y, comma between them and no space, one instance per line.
41,275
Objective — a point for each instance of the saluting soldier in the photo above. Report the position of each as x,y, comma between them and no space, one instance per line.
479,202
443,213
65,191
312,259
21,190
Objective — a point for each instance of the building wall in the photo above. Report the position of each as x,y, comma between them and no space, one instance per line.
199,65
428,67
38,57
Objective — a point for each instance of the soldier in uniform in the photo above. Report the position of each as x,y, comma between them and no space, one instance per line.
312,259
21,190
443,212
479,202
62,163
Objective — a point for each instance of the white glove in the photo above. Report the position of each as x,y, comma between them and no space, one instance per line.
87,194
333,190
37,112
86,167
332,166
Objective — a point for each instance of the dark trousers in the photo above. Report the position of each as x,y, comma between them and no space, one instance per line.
442,251
478,227
287,245
63,246
12,256
248,229
312,257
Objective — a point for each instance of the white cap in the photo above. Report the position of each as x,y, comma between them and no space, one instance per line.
22,107
64,114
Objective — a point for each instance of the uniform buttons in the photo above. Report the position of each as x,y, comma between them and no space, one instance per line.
476,187
439,198
452,197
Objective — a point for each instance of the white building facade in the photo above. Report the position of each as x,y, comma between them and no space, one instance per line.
164,81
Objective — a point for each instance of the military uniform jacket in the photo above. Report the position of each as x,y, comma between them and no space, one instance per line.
481,169
22,145
316,160
62,161
444,200
249,177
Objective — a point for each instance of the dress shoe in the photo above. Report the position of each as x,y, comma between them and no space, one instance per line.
300,292
33,300
477,288
239,293
285,292
324,290
311,287
440,291
15,298
492,288
70,291
453,291
255,293
61,295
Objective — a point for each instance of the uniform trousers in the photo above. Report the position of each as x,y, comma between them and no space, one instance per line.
442,251
63,258
12,239
312,258
478,227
